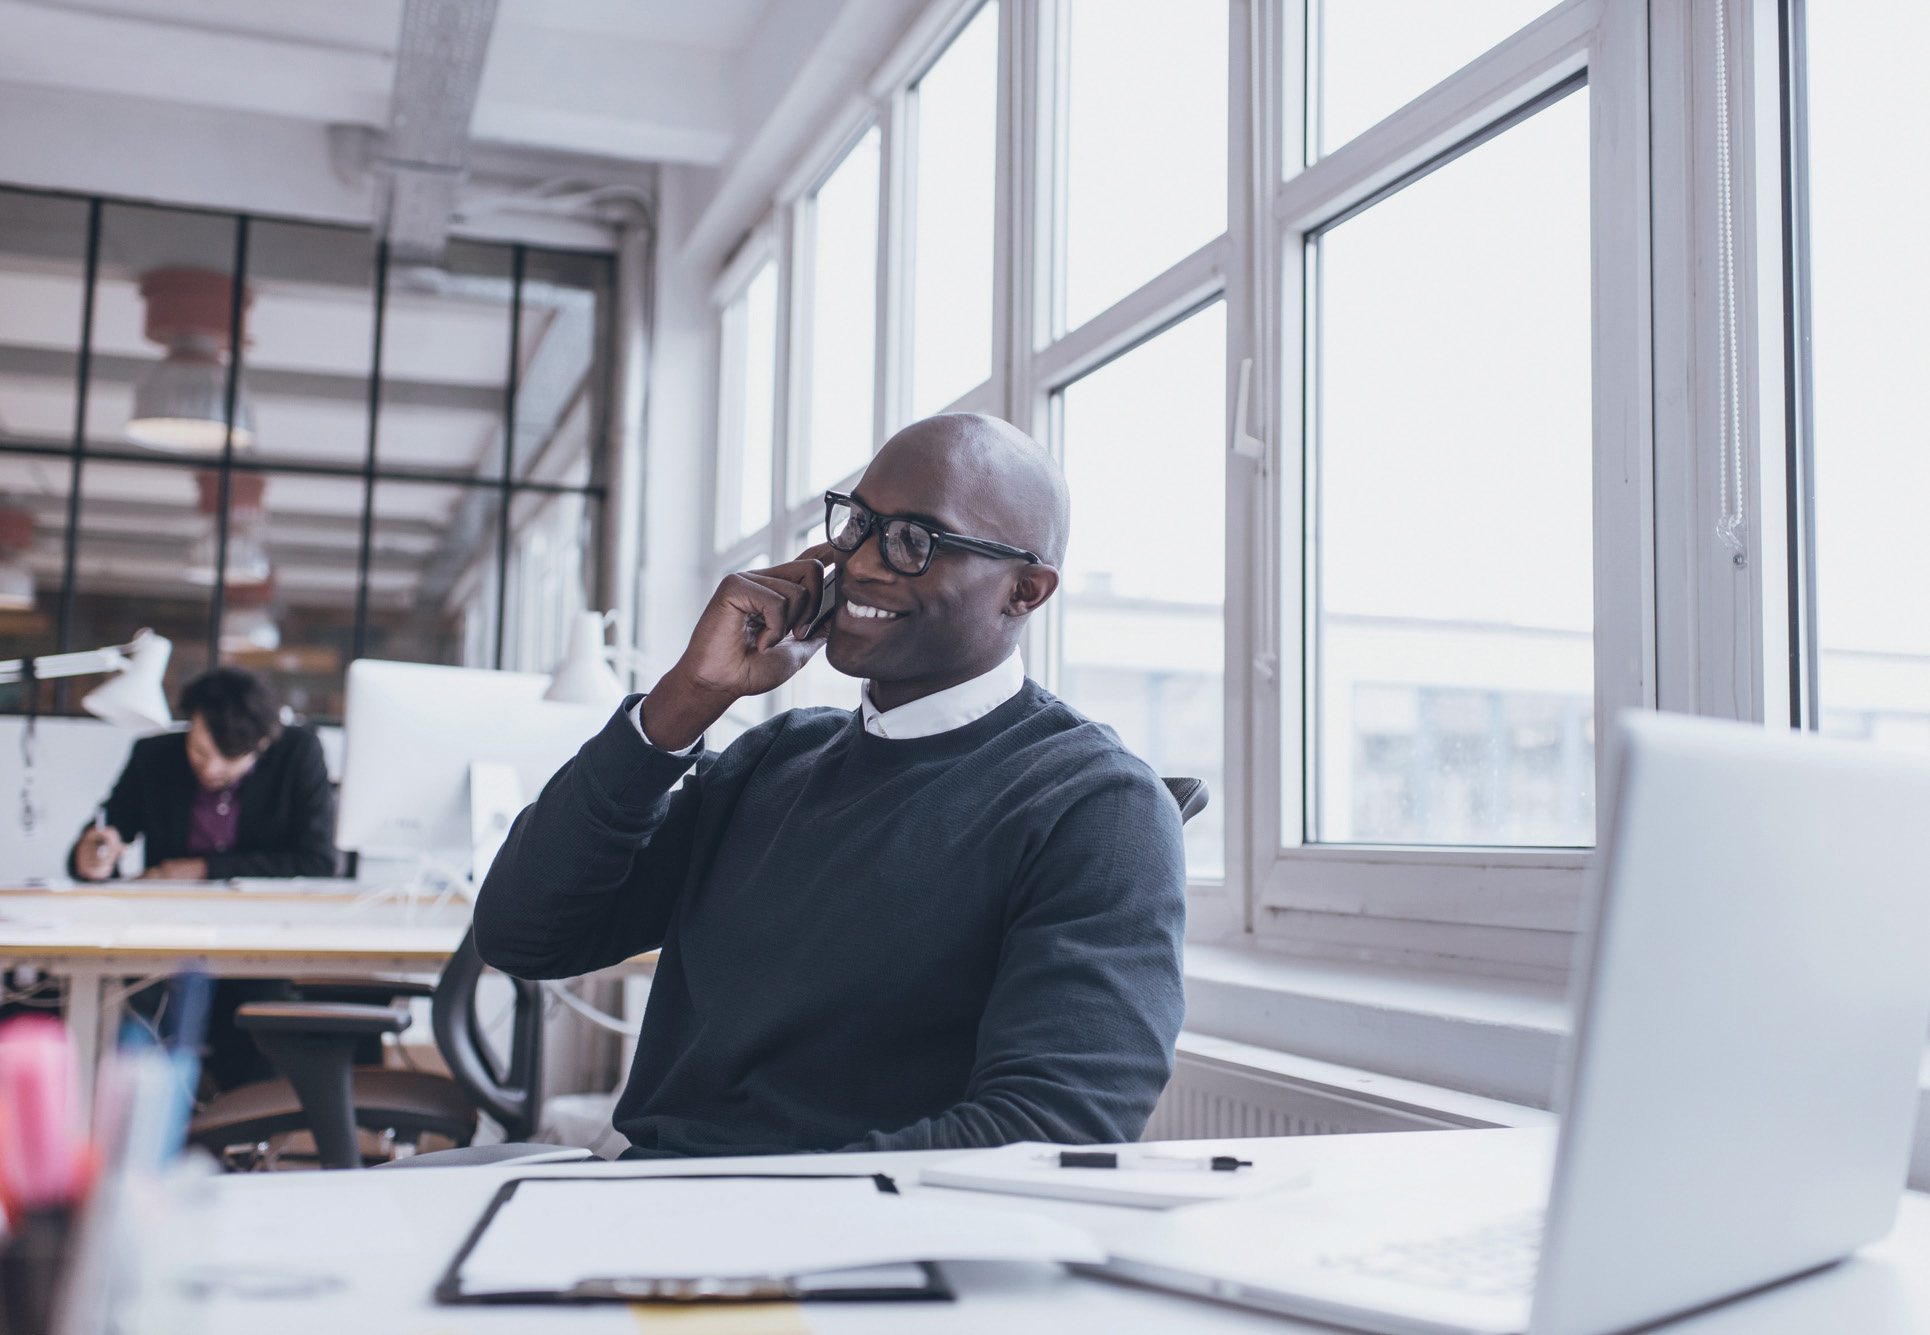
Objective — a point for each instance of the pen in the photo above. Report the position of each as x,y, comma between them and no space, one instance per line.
1212,1163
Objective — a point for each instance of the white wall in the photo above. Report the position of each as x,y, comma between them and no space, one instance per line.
76,763
672,587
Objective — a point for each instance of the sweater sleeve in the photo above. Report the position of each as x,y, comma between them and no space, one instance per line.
309,846
591,870
1077,1038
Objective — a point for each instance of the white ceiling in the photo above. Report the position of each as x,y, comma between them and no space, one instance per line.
235,96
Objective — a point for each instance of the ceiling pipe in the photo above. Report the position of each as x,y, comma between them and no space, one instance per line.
424,157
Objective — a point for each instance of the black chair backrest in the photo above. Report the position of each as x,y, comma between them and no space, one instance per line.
511,1092
1191,794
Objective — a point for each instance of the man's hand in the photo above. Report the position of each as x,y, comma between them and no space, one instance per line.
742,646
178,869
99,851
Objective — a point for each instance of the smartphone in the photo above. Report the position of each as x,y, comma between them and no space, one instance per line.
827,605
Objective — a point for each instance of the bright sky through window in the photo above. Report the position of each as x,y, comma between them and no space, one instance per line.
844,318
1869,169
1145,172
1376,56
957,118
1141,609
1454,613
747,389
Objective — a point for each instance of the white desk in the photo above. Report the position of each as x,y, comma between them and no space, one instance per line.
407,1223
93,938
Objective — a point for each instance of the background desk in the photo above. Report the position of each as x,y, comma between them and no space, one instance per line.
385,1236
94,939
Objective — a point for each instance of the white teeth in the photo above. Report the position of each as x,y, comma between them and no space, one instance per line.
865,613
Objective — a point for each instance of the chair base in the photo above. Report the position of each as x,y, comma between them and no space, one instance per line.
409,1103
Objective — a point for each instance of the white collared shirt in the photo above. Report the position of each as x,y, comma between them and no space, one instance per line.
941,711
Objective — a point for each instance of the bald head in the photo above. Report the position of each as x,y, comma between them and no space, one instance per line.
987,469
974,477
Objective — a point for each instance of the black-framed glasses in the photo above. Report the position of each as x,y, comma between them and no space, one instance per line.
907,545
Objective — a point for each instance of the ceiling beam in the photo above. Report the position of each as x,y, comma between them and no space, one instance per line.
116,369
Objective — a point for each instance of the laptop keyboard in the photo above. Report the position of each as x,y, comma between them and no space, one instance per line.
1496,1259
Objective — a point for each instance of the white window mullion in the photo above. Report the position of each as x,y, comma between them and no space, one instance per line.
1722,615
897,124
1624,389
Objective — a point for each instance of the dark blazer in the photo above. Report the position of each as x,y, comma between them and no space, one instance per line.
287,823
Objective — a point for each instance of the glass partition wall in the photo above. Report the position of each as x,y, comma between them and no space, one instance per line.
413,469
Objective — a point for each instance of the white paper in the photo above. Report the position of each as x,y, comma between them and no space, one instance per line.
1151,1175
555,1232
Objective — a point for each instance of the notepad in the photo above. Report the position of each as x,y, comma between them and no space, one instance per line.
575,1239
1148,1175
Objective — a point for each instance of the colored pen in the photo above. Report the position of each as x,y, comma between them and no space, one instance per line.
41,1158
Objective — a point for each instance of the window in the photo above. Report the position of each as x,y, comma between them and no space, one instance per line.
747,408
843,245
1145,113
1376,55
1372,341
1139,612
413,471
956,115
1452,691
1870,283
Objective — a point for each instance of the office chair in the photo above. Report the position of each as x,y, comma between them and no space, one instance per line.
1191,794
312,1042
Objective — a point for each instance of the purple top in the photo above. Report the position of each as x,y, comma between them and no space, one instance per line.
212,820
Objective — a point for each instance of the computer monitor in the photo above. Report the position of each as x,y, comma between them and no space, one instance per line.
416,735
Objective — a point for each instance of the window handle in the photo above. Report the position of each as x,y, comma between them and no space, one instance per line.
1245,445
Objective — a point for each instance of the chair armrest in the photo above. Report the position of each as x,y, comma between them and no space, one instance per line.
321,1017
372,992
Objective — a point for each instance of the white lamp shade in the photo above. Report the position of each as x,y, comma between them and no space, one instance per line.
181,404
134,697
16,584
584,676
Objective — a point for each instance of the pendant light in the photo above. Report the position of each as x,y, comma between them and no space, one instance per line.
181,402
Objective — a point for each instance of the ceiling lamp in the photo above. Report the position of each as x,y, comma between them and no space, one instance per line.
247,529
16,577
248,622
180,403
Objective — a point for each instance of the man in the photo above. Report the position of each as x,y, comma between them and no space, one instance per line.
951,917
235,795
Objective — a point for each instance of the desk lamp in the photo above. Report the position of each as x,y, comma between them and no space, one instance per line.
132,697
584,676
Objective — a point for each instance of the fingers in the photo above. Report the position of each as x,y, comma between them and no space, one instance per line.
795,601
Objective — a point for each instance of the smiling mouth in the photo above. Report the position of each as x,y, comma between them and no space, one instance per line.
865,612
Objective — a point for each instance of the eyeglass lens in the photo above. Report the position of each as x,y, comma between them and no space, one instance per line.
907,547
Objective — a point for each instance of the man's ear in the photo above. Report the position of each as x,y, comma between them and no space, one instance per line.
1036,583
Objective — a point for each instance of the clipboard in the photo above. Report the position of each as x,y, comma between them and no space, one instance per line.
895,1282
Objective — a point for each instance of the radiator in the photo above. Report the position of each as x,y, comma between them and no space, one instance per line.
1223,1088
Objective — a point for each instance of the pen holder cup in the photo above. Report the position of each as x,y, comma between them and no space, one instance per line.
31,1258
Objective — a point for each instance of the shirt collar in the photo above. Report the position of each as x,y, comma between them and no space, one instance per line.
941,711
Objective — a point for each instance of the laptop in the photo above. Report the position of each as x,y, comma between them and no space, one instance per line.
1738,1098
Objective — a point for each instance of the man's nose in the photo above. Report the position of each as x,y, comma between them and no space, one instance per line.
867,562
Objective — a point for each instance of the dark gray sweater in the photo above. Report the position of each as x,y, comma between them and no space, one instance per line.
949,941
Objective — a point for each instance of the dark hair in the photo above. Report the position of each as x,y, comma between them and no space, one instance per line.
239,710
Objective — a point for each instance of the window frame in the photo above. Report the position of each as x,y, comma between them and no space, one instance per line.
1678,624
